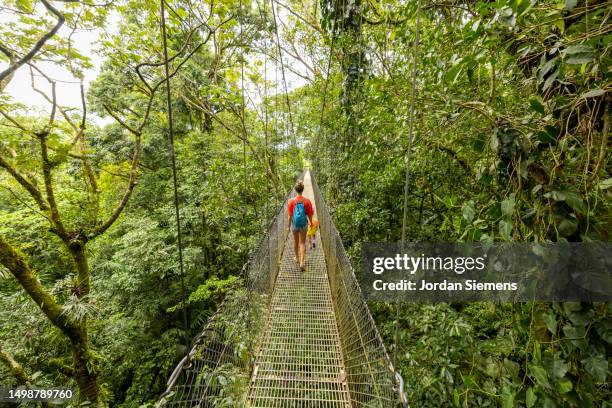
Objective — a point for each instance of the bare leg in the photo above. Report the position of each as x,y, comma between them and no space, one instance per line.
302,248
296,241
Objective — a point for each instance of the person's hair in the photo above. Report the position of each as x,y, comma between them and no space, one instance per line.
299,186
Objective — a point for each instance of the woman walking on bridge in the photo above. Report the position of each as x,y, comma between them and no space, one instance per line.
300,216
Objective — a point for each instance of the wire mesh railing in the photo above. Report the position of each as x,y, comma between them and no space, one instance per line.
370,375
219,366
216,371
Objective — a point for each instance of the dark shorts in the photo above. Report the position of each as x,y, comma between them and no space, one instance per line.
295,229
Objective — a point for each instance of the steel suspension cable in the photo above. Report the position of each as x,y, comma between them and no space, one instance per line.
411,120
282,65
409,156
265,105
276,109
244,134
324,102
177,214
331,149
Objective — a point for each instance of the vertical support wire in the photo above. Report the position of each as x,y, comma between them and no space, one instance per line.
329,60
266,146
276,108
282,65
174,171
264,16
333,147
244,132
247,271
408,158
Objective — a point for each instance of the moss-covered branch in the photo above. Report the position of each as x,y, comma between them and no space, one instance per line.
31,188
84,369
14,367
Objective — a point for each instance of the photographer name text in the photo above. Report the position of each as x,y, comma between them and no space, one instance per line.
423,285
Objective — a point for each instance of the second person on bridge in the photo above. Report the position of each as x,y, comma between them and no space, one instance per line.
300,216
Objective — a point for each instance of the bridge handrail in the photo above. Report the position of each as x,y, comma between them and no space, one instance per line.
370,373
258,276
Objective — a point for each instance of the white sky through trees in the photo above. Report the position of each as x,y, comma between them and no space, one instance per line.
86,42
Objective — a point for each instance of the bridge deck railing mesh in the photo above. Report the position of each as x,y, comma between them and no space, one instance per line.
371,378
217,369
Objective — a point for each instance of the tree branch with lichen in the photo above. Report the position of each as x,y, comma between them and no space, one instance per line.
14,367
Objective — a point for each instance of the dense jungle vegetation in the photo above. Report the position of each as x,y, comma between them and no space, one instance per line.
509,141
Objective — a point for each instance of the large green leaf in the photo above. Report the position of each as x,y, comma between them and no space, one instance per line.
605,184
564,385
530,398
539,374
468,211
505,229
567,227
550,321
554,364
578,54
570,4
593,93
597,366
576,202
507,206
536,105
507,397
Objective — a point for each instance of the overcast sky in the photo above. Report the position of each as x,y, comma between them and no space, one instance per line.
67,89
68,94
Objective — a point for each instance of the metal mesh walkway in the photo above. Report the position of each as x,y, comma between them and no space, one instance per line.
286,338
300,358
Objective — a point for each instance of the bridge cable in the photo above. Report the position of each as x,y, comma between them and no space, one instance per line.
283,124
174,172
408,156
282,65
244,132
266,122
332,148
276,109
324,102
263,15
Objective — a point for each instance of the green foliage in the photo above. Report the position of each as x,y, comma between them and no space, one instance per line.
133,312
511,144
482,354
213,288
512,141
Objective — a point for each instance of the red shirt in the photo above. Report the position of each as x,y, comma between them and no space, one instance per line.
307,206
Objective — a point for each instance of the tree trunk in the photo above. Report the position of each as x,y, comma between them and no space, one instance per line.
77,251
85,371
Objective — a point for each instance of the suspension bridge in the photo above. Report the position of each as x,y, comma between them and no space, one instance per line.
287,338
